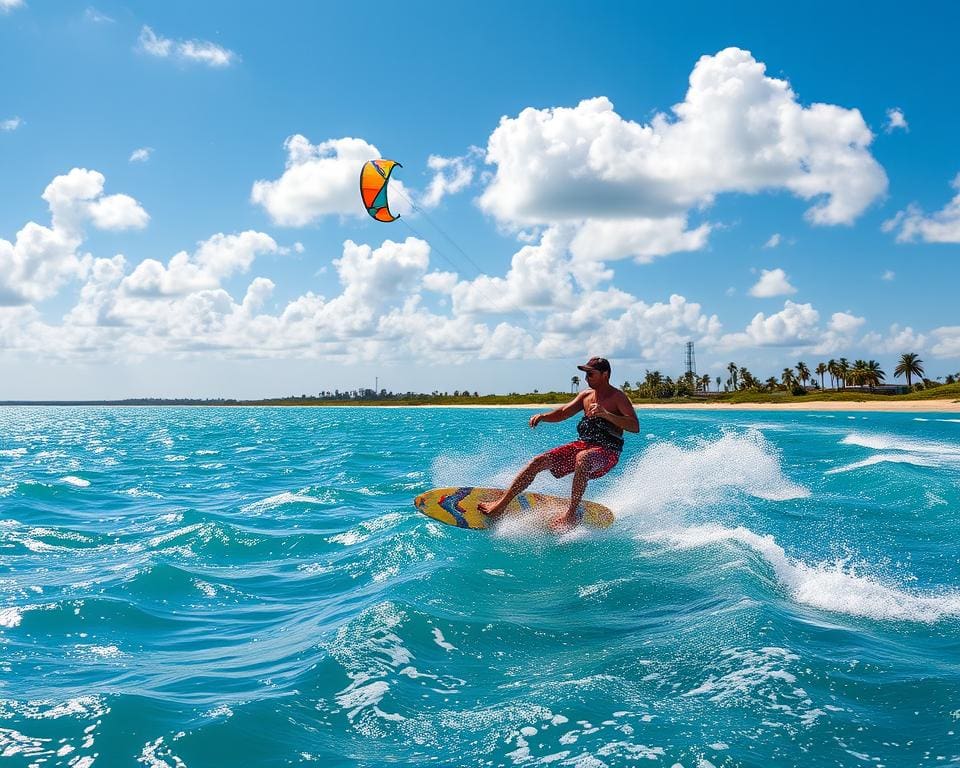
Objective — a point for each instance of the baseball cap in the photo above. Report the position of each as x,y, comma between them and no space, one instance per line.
600,364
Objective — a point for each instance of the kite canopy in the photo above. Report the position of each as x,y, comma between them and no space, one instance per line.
373,188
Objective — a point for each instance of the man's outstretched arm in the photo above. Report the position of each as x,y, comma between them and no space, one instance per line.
563,412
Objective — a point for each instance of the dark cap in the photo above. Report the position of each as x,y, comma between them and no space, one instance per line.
600,364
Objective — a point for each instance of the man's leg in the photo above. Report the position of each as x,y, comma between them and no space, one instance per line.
519,484
584,464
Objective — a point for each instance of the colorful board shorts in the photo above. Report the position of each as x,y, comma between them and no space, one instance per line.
563,459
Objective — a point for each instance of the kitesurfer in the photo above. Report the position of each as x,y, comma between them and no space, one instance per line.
607,413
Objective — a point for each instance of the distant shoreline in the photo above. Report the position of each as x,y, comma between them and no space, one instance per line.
865,406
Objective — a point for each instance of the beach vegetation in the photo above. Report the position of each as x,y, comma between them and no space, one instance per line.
910,365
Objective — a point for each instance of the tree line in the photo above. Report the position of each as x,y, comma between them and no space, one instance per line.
841,372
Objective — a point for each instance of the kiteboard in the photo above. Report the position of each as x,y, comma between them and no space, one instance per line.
458,506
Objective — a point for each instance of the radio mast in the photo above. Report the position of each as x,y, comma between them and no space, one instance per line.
691,363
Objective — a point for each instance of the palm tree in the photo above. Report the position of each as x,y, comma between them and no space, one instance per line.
873,373
832,370
732,368
787,378
771,383
718,383
574,383
803,373
653,381
843,371
705,382
820,370
910,365
855,374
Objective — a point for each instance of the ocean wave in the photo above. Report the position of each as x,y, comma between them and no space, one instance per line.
76,482
283,499
902,450
832,586
886,442
885,458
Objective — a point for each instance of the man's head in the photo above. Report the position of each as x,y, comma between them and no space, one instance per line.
597,370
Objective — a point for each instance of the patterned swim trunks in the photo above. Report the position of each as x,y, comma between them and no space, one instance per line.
564,458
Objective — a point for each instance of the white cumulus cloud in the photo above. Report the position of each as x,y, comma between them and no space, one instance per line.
201,51
215,259
642,239
141,155
737,130
97,17
538,278
947,341
10,124
773,241
321,180
840,333
795,325
41,259
896,341
8,5
940,227
451,175
895,121
772,282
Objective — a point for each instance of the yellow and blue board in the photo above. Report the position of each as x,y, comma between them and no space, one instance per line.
458,506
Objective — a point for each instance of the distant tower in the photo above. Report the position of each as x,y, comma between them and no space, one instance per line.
691,362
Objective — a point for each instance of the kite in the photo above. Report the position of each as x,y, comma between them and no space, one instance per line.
373,188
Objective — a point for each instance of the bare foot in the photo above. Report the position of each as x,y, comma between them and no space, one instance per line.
563,523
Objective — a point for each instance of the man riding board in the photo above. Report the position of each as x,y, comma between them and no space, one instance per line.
607,413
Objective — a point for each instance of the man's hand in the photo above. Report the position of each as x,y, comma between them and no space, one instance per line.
535,419
596,410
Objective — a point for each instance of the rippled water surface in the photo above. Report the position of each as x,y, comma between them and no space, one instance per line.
241,586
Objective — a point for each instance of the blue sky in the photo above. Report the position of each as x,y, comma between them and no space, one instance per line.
179,217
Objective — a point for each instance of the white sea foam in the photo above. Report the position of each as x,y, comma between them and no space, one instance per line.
349,538
370,651
668,477
279,500
881,458
10,617
748,671
440,640
902,450
88,707
835,586
139,492
76,482
163,538
100,651
155,754
884,442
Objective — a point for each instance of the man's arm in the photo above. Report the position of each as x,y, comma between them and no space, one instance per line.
563,412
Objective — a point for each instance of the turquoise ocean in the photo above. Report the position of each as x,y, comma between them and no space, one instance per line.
253,587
